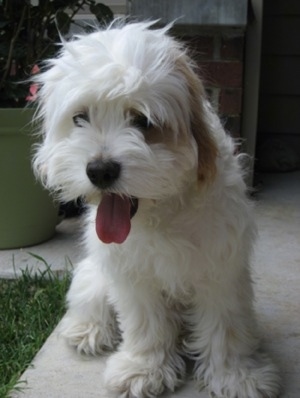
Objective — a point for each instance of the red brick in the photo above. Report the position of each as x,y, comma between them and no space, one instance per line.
232,48
230,101
201,47
222,74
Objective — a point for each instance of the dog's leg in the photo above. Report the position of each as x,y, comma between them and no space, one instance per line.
89,324
147,360
224,343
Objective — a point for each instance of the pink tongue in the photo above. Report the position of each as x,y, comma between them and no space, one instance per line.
113,218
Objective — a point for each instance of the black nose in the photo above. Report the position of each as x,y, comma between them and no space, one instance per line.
103,174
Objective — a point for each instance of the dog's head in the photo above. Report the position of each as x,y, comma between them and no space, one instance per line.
124,118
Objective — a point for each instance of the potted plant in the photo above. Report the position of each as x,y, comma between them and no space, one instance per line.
29,32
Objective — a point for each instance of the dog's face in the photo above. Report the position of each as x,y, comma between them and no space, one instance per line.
123,120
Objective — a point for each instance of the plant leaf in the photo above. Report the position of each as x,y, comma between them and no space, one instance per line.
103,13
63,22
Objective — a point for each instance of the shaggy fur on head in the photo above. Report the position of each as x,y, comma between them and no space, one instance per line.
169,229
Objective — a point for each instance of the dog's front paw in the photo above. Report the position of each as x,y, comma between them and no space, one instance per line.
89,337
143,376
251,378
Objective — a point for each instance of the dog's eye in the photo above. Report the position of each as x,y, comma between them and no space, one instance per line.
80,118
142,122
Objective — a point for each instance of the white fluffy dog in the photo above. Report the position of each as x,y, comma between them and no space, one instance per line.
169,230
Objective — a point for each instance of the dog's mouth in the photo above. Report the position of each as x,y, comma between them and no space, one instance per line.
113,219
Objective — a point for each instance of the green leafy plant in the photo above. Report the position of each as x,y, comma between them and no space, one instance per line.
29,33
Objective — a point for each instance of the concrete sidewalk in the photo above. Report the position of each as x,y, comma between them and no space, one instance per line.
57,372
59,253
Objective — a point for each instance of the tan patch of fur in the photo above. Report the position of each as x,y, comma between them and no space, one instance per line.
155,134
207,148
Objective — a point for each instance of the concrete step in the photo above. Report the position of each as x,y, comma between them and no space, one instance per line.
57,372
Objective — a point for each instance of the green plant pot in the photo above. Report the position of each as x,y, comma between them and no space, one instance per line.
28,215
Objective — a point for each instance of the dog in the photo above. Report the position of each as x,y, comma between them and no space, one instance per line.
169,226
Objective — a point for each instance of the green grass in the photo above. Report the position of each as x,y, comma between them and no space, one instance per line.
30,308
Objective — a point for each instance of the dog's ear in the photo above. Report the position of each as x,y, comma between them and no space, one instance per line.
200,122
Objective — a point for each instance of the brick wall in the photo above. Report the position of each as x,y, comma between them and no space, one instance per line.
220,58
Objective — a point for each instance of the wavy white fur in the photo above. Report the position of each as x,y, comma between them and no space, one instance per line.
179,285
